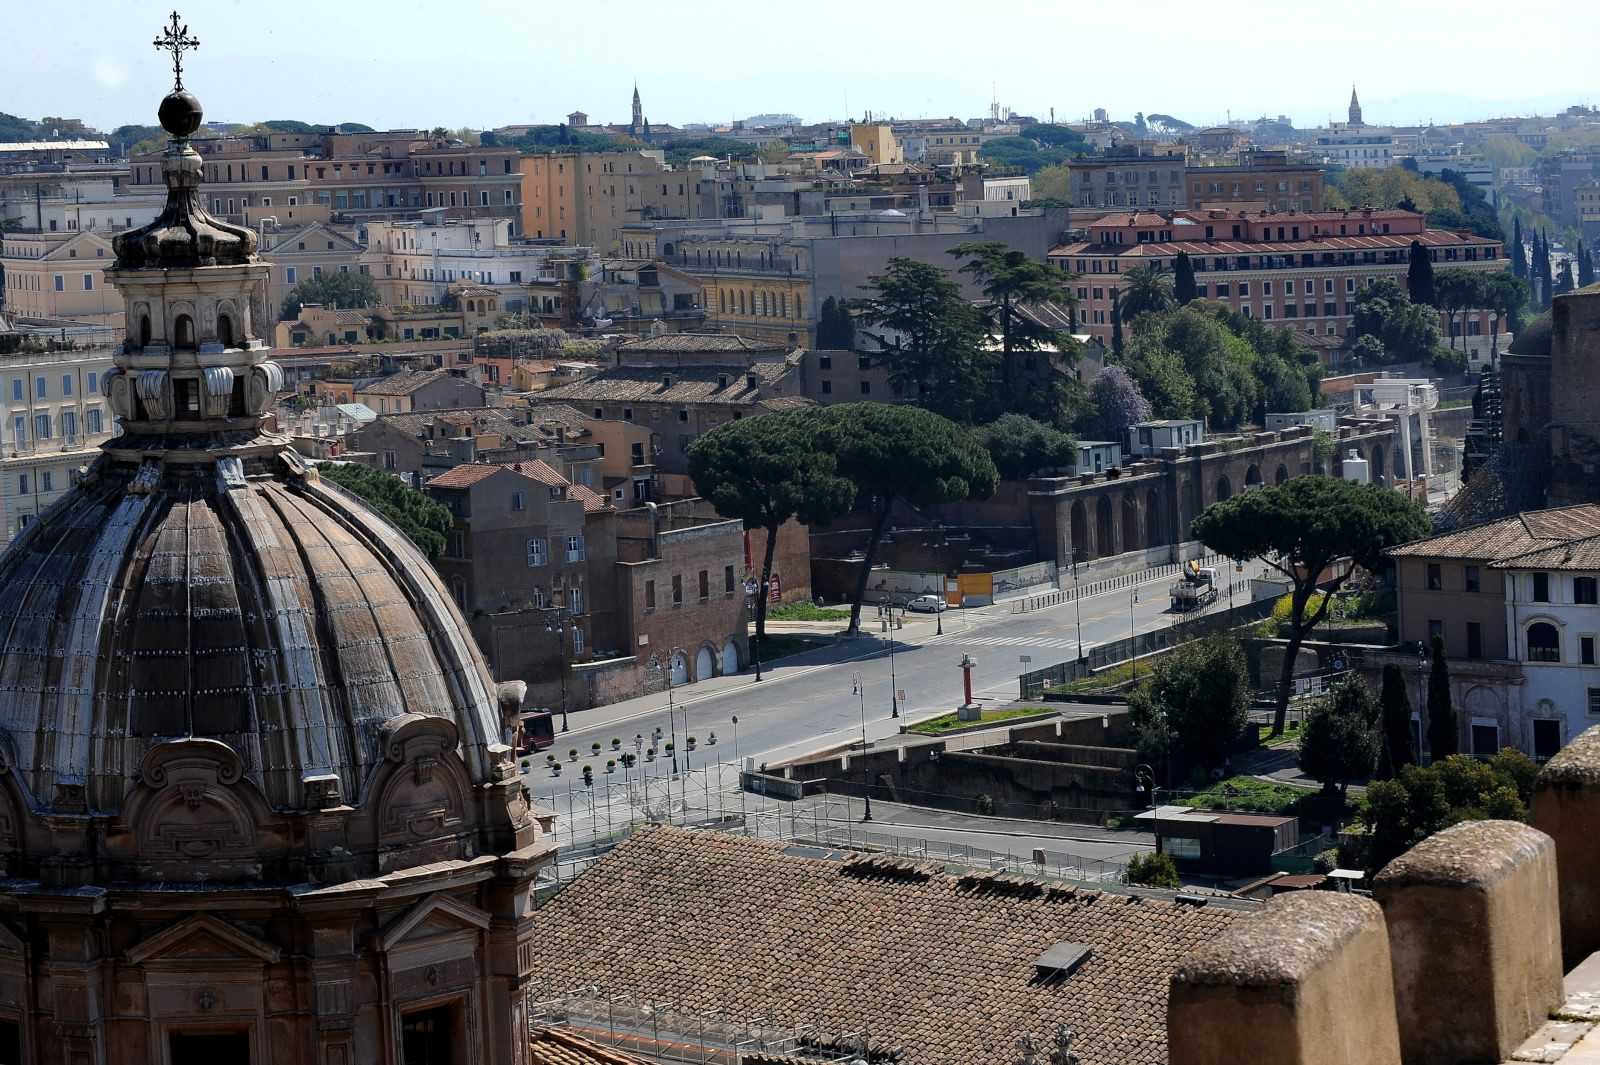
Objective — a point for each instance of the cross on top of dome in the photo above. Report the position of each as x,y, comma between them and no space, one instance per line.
175,39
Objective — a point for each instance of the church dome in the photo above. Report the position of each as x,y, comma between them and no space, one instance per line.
243,602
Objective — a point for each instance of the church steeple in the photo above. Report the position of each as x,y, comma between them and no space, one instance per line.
638,113
1355,108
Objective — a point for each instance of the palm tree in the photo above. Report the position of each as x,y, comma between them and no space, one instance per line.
1144,291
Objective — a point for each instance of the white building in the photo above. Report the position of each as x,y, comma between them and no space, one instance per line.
68,201
56,418
1553,631
1357,147
420,261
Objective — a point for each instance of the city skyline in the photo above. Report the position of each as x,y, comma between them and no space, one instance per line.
814,75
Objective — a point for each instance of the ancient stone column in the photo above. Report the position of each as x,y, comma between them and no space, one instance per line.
1304,982
1475,940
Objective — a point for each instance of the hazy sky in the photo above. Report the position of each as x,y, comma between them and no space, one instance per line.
484,63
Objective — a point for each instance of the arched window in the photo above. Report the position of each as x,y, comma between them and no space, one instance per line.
1224,489
225,331
183,332
1282,474
1544,642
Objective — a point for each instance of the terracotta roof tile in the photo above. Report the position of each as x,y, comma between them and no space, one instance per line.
680,343
592,501
1510,537
463,476
556,1046
403,383
690,384
939,965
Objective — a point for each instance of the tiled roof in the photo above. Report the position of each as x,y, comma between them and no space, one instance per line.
1432,238
939,965
1532,531
480,419
592,500
690,384
556,1046
403,383
539,470
464,476
1573,555
681,343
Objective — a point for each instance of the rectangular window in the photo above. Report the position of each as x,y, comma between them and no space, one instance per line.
41,388
41,426
1594,702
577,640
1541,587
93,416
1583,590
575,548
677,590
22,484
1586,650
649,595
516,500
727,580
94,383
1474,639
69,426
16,389
1546,738
88,282
1472,578
1485,740
61,283
289,274
66,390
705,584
46,480
538,551
1435,577
575,600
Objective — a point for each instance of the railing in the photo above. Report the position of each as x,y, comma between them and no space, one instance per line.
1034,684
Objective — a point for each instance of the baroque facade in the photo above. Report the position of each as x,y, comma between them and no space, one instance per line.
256,799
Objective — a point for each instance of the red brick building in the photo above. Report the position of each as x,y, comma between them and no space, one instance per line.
1298,271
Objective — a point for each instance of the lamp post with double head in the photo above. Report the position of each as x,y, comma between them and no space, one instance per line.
866,786
558,624
1145,781
751,587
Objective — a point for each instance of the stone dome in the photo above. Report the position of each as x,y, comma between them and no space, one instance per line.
242,601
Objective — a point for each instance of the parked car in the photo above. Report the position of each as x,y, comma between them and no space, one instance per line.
926,604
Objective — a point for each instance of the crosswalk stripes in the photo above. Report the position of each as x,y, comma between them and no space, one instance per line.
1022,641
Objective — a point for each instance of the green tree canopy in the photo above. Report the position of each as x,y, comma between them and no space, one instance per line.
1421,800
1340,741
1146,291
1305,528
1022,447
765,471
333,289
896,453
1184,289
425,521
1199,694
1408,331
931,337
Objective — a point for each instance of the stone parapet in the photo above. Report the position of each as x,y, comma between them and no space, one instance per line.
1305,982
1475,941
1566,807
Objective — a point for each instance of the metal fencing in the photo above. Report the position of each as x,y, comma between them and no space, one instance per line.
1034,683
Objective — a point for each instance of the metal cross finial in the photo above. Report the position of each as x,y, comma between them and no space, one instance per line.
175,39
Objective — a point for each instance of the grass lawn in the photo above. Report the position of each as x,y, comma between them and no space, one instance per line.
806,611
948,722
774,647
1247,794
1290,737
1110,677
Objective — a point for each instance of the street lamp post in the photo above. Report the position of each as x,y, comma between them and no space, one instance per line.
750,589
1146,781
866,786
739,771
1133,631
894,690
559,626
1077,607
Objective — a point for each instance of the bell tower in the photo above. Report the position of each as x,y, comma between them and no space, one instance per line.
638,112
1355,108
192,369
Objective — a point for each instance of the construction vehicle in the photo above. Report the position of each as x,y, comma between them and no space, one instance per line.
1196,588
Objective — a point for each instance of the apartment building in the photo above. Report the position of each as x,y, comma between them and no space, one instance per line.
515,561
60,276
55,419
421,263
1295,270
418,390
419,446
587,197
767,279
1516,604
1140,176
1358,147
298,178
93,197
304,252
1261,185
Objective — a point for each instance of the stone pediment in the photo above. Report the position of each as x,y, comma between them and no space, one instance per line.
434,915
202,937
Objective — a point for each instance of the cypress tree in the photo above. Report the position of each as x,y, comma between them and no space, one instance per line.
1183,286
1546,280
1585,266
1419,277
1519,255
826,341
1567,278
1116,324
1396,717
1443,734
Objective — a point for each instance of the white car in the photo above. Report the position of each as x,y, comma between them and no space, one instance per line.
926,604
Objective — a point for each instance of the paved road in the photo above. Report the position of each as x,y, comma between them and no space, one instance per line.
807,702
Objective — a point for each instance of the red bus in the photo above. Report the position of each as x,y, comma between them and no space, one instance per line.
537,731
